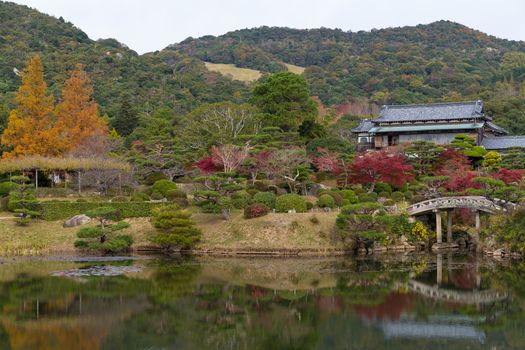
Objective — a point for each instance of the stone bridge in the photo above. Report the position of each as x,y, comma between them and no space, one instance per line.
464,297
471,202
438,205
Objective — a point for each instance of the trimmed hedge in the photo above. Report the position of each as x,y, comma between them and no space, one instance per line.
326,201
267,198
52,211
290,201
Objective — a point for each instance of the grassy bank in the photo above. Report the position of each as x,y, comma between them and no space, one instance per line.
273,232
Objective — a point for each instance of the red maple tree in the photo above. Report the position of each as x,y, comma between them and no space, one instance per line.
369,168
508,175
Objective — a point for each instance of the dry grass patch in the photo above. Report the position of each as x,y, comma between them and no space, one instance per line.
294,69
274,231
236,73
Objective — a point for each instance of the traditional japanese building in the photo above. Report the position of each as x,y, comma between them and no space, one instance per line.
438,123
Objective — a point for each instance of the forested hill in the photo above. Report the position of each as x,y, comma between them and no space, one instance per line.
408,64
118,73
434,62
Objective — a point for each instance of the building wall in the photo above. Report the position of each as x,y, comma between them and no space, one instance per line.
437,138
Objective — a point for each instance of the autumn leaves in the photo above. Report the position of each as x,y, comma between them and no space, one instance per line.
37,127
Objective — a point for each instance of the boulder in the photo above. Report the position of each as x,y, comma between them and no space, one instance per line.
77,220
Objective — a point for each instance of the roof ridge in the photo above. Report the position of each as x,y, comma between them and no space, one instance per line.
432,104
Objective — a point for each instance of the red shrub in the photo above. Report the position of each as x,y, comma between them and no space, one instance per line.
462,181
508,176
255,210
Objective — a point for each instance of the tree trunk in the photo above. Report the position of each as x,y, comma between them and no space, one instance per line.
79,184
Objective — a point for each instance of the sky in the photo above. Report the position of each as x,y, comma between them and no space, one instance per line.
151,25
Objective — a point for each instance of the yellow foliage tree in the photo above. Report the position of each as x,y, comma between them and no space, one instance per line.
30,129
77,113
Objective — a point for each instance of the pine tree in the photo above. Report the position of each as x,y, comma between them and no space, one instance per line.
77,114
30,129
126,120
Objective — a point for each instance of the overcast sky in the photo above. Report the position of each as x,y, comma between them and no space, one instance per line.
154,24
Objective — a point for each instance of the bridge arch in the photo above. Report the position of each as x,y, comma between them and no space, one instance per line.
438,205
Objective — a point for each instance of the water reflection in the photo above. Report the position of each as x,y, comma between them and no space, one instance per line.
391,302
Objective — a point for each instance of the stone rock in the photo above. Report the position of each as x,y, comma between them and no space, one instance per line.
77,220
315,189
499,252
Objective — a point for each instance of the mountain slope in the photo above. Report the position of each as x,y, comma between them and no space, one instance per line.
173,80
402,65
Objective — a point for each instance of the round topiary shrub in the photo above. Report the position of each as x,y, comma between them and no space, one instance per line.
163,186
349,197
368,197
290,201
338,197
326,201
383,194
152,178
241,199
389,203
156,196
309,205
267,198
398,196
255,210
408,195
139,197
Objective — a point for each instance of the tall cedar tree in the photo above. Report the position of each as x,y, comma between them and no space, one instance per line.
126,120
30,129
77,114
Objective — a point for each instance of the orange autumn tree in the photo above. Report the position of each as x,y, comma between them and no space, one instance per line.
30,129
77,113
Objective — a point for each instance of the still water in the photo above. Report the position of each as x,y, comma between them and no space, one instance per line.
388,302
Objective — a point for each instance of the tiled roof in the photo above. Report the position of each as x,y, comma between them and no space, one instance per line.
425,127
364,126
497,129
503,142
430,112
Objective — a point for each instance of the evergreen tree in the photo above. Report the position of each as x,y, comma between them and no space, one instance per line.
126,120
175,228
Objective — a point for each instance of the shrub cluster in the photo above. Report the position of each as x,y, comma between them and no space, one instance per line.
266,198
326,201
52,211
290,201
255,210
163,186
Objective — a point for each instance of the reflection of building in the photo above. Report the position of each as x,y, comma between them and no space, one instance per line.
411,329
438,123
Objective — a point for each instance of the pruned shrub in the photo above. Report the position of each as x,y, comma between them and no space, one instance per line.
267,198
368,197
290,201
382,187
152,178
326,201
163,186
408,195
398,196
349,197
338,197
175,228
383,194
309,205
389,203
255,210
139,197
172,194
156,196
260,186
6,187
241,199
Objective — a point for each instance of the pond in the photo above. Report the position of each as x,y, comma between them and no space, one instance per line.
418,301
